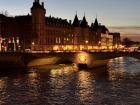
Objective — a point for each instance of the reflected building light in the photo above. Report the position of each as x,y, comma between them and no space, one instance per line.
63,70
33,75
3,90
2,85
121,59
55,80
116,73
56,72
85,87
34,84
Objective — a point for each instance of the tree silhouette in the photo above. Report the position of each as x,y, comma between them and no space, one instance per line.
127,42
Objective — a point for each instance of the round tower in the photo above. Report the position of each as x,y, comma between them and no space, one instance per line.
38,22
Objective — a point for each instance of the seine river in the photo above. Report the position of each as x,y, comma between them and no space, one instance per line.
116,84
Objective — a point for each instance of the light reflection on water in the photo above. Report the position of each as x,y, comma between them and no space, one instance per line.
123,67
3,91
85,87
34,84
116,84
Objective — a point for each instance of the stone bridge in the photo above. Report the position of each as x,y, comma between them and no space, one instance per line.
91,59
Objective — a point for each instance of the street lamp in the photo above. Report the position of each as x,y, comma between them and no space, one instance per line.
32,47
33,43
86,41
86,44
99,45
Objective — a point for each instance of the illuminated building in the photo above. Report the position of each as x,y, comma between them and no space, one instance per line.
116,40
40,33
0,36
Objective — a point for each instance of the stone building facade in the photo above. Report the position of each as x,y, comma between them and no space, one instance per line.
40,33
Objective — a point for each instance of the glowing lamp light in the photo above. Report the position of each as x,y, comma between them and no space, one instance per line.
86,41
33,43
82,58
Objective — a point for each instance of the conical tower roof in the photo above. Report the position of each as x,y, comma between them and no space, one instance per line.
84,23
96,23
76,21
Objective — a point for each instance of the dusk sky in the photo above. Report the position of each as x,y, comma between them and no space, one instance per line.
111,13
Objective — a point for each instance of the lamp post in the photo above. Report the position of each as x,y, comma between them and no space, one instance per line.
99,45
86,44
32,47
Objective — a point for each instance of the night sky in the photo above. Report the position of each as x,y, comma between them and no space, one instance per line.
112,13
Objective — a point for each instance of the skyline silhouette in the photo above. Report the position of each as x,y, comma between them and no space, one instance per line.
111,13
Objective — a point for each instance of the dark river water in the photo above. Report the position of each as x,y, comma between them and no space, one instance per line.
116,84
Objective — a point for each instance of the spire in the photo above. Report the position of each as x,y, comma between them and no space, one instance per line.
84,23
96,15
84,14
43,4
76,21
96,22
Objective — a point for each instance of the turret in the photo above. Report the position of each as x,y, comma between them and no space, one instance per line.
84,23
96,23
76,21
36,4
38,20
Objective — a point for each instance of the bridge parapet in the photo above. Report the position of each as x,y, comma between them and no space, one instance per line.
89,58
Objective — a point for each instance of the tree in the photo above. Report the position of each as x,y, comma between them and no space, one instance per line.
127,42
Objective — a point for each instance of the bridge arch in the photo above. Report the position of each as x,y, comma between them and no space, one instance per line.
92,59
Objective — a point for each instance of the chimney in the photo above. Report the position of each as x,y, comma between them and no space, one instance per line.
43,4
36,1
69,21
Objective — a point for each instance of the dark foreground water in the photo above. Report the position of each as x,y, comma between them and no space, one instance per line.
116,84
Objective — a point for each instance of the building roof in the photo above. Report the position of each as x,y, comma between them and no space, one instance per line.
103,29
2,16
51,21
84,23
100,28
24,18
76,22
96,23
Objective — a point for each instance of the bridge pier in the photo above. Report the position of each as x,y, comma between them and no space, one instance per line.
82,66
